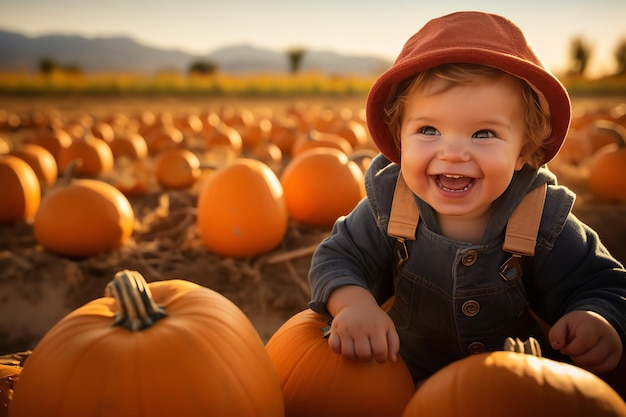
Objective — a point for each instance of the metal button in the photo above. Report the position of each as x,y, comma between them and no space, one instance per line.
470,308
475,348
469,258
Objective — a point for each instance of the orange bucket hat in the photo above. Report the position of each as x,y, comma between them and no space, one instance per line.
470,38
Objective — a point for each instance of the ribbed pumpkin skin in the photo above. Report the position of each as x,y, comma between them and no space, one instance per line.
513,384
83,218
204,359
321,185
241,210
318,382
20,190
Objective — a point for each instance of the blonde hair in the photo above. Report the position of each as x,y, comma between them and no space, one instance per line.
538,124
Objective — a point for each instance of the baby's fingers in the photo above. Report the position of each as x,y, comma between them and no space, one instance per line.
559,335
599,359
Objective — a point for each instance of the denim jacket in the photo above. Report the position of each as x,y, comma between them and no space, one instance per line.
451,300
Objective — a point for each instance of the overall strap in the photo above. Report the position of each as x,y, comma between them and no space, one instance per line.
403,220
523,225
521,230
520,239
404,214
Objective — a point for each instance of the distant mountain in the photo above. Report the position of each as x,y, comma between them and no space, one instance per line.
123,54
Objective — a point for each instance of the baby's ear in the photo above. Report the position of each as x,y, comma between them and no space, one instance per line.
521,161
529,156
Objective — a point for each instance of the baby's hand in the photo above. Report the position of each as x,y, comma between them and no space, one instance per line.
364,334
588,339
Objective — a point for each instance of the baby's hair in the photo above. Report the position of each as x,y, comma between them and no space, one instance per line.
538,124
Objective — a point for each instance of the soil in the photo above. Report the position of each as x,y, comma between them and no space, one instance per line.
38,288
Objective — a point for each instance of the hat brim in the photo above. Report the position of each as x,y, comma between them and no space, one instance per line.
548,88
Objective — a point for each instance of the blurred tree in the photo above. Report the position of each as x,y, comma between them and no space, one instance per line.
202,67
581,52
620,57
73,69
295,55
47,66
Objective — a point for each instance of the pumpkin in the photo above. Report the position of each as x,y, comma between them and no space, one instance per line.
40,160
268,153
163,137
223,136
103,130
607,167
83,218
318,382
354,132
94,154
177,168
241,209
600,133
54,140
321,185
167,348
5,145
514,383
131,145
316,139
133,177
188,124
257,133
21,192
284,133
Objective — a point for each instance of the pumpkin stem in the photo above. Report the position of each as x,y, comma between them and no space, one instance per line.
138,310
70,171
615,129
530,346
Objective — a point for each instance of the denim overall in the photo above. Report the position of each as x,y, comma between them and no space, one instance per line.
451,297
421,324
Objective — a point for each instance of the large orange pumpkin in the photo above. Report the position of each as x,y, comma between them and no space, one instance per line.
167,348
512,384
21,192
241,210
83,218
318,382
321,185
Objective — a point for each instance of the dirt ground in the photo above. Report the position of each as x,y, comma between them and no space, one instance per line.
38,288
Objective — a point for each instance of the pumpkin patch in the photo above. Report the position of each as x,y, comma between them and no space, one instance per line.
223,232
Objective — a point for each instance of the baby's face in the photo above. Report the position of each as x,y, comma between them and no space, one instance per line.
461,145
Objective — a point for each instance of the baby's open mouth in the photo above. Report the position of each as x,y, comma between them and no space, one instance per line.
454,183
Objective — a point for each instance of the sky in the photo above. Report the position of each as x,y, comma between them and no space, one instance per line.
364,27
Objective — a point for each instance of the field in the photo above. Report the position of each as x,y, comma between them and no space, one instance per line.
38,288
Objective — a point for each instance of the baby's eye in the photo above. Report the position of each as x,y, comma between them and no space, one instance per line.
428,130
483,134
